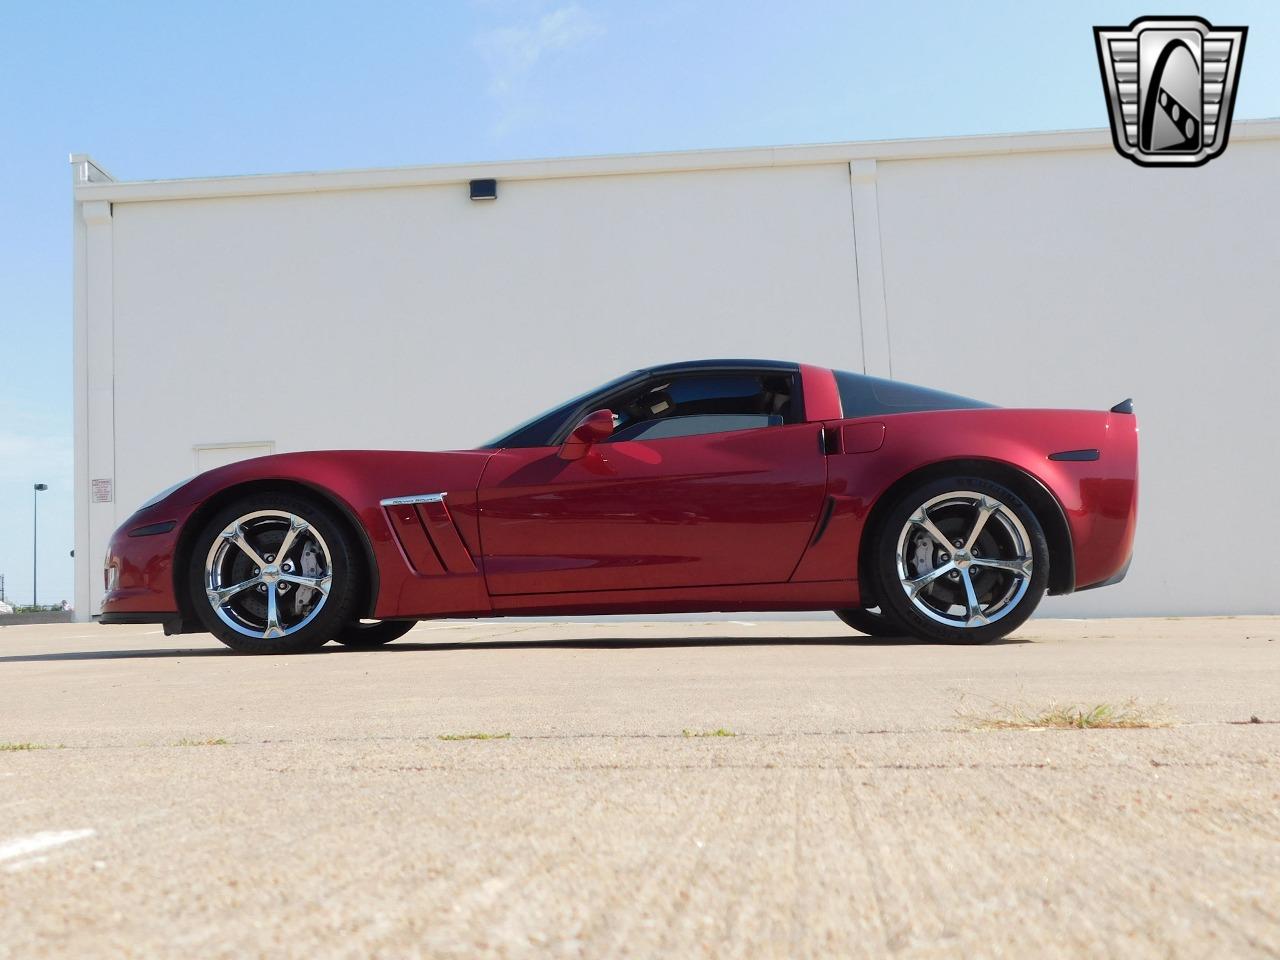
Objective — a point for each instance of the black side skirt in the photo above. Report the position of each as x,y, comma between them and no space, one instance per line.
171,619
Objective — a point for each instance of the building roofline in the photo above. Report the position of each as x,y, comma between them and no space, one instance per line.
116,191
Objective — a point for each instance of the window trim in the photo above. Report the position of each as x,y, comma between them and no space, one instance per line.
602,400
614,438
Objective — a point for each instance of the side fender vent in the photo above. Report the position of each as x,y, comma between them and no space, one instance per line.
426,534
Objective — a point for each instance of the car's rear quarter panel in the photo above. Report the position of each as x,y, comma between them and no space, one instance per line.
1098,497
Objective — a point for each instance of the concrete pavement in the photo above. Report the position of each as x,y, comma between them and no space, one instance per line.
196,803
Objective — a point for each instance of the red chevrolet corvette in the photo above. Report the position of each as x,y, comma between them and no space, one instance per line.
709,486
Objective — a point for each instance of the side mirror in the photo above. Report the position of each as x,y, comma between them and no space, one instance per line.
592,428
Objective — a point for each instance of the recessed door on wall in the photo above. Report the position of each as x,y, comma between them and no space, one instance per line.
210,455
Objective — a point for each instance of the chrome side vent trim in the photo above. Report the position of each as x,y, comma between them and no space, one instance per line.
416,498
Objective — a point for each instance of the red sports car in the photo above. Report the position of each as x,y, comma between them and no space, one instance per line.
715,485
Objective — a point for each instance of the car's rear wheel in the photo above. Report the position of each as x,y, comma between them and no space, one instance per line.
274,573
874,623
961,560
367,634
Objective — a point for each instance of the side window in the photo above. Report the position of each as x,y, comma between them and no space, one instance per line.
864,396
701,404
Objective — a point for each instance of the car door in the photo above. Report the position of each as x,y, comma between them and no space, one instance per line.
718,506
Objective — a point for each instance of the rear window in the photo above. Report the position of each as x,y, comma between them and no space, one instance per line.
863,396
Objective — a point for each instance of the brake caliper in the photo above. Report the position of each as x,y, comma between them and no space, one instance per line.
309,564
922,555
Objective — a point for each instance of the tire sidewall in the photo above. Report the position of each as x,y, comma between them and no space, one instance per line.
872,623
339,605
890,589
366,636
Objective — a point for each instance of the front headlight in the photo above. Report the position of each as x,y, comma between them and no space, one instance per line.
164,493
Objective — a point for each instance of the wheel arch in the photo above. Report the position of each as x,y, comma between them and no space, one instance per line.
200,516
1032,491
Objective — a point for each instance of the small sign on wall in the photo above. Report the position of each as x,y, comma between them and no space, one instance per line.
101,490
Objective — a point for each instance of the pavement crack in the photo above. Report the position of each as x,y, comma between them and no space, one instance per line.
742,738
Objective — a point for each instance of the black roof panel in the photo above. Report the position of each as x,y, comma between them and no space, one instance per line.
730,364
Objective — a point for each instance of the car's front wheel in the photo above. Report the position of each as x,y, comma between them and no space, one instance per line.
274,573
961,560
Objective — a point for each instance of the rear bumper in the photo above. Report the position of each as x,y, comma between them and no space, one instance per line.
1103,514
1111,580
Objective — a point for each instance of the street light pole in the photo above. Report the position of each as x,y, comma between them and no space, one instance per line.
35,537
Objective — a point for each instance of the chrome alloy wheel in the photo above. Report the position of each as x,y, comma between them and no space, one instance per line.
964,559
268,574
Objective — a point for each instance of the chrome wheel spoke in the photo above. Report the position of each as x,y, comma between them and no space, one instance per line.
921,519
985,509
1018,565
296,526
973,609
235,534
220,595
315,583
914,587
273,617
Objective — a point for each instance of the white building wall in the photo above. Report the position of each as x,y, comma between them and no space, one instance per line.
1075,280
344,310
416,318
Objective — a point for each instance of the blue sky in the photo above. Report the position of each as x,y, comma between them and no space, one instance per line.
157,90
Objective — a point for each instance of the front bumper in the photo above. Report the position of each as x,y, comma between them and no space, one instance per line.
172,622
138,571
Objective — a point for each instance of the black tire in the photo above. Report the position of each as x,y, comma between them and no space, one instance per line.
1013,596
315,622
874,623
366,636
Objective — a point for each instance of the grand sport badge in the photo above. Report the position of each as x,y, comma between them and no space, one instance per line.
1171,85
